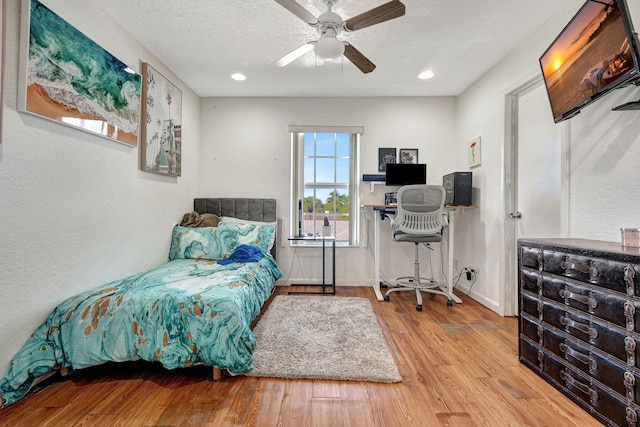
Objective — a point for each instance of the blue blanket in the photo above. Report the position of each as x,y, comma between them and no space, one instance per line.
243,253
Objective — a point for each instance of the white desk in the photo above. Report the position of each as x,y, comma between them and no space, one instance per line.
378,211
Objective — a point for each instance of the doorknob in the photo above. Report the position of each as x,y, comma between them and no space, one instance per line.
516,214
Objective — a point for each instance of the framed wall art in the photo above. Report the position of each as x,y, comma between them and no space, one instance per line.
68,78
474,152
161,147
385,155
408,156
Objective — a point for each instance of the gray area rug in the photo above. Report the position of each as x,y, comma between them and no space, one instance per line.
320,337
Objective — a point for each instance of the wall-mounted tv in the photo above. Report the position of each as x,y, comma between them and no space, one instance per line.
595,53
399,174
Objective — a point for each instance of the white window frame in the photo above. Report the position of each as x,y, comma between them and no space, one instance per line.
352,187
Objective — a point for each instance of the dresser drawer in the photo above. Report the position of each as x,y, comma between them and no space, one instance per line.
606,305
617,276
530,280
585,390
602,335
530,304
530,328
529,353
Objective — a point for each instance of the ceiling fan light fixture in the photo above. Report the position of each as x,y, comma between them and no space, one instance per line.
329,48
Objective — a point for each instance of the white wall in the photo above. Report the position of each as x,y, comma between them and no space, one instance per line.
75,211
246,152
604,148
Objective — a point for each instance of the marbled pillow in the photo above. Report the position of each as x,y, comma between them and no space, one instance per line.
252,234
203,243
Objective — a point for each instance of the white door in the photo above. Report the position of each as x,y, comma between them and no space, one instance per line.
532,179
538,173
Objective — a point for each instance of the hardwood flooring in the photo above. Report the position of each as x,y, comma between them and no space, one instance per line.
459,367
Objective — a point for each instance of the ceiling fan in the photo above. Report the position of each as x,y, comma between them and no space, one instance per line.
330,25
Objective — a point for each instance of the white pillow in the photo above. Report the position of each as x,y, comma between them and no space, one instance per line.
247,221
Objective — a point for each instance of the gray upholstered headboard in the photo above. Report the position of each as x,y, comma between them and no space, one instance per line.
252,209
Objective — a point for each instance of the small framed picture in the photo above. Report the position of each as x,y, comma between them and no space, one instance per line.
474,152
408,156
385,155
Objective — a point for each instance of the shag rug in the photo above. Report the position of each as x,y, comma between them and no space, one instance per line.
320,337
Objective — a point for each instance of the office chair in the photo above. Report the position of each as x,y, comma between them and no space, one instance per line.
419,219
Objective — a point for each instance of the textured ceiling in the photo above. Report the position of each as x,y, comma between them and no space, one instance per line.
204,41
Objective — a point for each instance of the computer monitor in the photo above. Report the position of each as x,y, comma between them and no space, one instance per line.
399,174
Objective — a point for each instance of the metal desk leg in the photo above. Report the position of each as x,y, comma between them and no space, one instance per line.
376,254
451,234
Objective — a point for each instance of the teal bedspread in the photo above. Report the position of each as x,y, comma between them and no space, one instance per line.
181,313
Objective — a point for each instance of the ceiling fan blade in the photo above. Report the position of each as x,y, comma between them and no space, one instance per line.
295,54
387,11
302,13
358,59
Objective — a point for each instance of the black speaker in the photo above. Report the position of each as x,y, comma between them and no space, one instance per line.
458,188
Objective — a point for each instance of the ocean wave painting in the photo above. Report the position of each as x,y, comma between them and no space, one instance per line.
71,79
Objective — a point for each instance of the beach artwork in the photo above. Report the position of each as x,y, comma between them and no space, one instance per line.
161,142
68,78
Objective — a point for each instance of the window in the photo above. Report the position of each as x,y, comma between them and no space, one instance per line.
325,182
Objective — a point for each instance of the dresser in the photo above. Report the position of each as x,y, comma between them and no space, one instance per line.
579,322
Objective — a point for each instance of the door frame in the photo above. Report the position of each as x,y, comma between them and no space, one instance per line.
509,286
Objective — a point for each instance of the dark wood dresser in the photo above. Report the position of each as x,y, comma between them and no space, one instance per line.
579,324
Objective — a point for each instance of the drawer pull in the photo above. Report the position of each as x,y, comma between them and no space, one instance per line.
629,313
629,274
630,383
585,388
630,348
591,270
540,260
579,326
584,358
632,417
584,299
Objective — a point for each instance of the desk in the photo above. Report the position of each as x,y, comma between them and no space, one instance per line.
379,211
324,283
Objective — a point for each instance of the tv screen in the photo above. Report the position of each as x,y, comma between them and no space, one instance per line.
595,53
406,174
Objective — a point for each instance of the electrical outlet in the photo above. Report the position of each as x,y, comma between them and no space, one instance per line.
470,273
455,263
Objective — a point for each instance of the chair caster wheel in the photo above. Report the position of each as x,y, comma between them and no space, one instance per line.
449,303
386,298
419,307
383,285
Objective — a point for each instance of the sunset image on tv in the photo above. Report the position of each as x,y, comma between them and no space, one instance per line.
591,53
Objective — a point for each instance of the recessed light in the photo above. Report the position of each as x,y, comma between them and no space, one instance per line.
425,75
239,77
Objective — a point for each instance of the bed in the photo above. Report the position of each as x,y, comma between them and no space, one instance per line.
197,308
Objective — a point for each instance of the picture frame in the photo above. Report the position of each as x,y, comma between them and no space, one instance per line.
385,155
408,156
474,152
68,78
161,141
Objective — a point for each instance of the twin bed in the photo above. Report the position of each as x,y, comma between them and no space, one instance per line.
191,310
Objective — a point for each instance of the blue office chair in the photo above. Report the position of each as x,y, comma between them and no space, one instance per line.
419,219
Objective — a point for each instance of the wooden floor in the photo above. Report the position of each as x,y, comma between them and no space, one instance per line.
459,368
